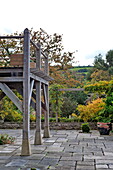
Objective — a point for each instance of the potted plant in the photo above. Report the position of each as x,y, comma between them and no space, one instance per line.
85,128
104,126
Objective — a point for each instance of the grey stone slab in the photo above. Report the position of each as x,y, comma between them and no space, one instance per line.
62,168
102,166
58,154
85,167
74,158
8,168
57,144
108,153
31,157
62,140
92,157
32,163
49,161
67,163
17,163
54,149
110,166
88,163
104,161
38,167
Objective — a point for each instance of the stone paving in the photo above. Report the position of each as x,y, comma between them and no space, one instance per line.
64,150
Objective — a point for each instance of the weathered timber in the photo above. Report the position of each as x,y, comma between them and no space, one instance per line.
38,57
28,79
46,66
11,37
37,47
11,79
37,78
17,60
46,125
11,95
11,69
33,102
38,138
26,149
31,90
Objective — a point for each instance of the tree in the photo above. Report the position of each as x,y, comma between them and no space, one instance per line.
50,44
68,107
109,58
63,77
56,99
100,63
91,110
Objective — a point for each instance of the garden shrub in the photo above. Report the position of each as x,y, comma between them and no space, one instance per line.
85,127
6,139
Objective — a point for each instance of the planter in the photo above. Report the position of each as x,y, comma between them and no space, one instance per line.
104,128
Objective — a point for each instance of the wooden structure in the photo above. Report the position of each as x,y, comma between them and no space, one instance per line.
30,83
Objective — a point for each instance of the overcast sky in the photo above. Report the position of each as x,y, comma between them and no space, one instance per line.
86,25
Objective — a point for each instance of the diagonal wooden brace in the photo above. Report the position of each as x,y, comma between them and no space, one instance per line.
11,95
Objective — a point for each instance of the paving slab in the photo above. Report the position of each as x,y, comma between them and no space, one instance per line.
64,150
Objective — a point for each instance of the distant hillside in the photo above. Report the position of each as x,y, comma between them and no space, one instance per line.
81,69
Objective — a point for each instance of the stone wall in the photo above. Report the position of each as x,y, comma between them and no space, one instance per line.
53,125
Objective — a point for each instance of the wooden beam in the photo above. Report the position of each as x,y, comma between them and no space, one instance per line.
37,47
45,96
10,70
34,44
10,37
31,90
38,78
11,95
33,104
11,79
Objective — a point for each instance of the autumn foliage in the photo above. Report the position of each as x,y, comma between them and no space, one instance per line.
90,110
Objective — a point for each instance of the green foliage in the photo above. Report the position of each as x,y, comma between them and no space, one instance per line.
68,107
56,99
14,116
107,113
8,111
6,139
85,128
109,58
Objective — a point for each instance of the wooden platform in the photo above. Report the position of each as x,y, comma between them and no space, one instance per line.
15,74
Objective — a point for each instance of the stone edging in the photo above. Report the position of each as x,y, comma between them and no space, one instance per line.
53,125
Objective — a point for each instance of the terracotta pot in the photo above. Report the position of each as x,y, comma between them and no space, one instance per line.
104,128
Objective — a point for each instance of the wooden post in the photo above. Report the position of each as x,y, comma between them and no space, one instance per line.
46,98
38,137
46,125
38,57
26,150
46,68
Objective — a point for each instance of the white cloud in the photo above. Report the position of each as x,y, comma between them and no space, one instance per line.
86,25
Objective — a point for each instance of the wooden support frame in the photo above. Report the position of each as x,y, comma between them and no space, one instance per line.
46,101
24,80
11,95
26,149
38,137
31,90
